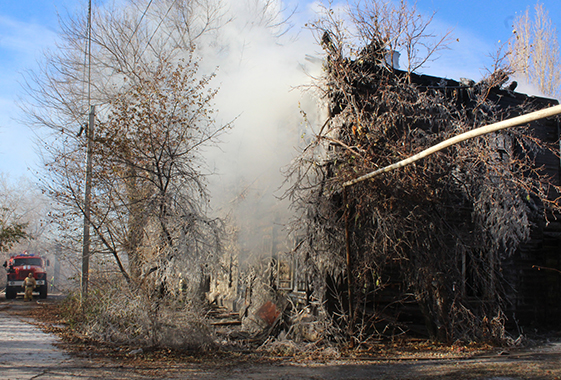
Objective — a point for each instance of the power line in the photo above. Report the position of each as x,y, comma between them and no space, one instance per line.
133,34
138,25
158,27
86,77
90,54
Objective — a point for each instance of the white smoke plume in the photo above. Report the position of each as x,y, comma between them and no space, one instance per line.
527,88
259,75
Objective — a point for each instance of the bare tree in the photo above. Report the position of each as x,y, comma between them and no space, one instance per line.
534,51
154,116
23,213
399,27
153,240
150,141
11,232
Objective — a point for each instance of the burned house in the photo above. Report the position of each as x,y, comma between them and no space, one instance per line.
463,245
530,273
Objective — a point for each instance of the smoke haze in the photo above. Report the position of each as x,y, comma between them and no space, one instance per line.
258,78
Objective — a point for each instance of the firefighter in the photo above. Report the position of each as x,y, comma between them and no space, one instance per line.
29,283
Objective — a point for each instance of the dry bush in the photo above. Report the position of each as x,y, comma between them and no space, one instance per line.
115,314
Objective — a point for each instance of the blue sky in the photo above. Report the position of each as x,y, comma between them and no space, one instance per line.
28,27
481,26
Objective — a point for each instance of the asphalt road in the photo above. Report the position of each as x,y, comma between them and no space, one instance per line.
26,352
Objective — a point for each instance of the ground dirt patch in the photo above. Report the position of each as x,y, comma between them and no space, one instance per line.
404,359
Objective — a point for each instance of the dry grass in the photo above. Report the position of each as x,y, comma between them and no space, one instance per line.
51,318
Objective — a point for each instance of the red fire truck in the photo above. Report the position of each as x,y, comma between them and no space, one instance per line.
19,267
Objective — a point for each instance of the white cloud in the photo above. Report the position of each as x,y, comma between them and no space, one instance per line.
24,39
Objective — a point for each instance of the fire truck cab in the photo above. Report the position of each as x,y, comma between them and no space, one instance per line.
19,267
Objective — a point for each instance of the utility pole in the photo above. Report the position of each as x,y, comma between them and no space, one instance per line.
88,185
87,206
